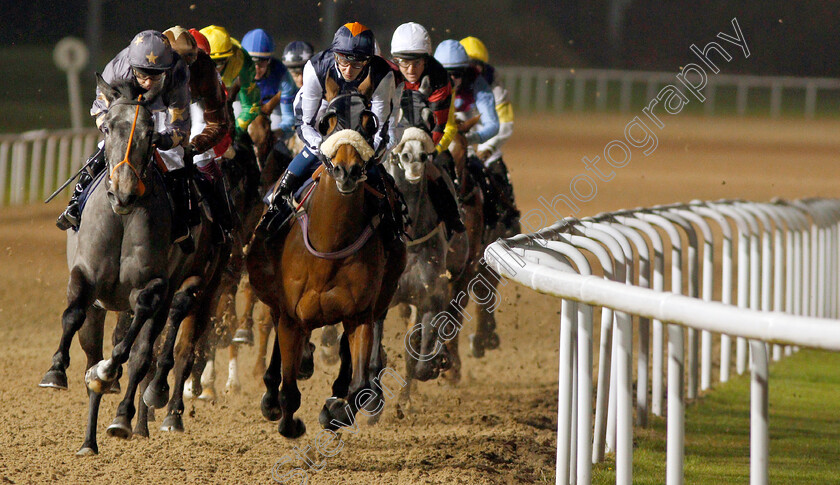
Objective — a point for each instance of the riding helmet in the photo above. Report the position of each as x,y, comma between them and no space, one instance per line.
150,51
354,40
221,45
297,53
452,55
258,44
411,41
475,49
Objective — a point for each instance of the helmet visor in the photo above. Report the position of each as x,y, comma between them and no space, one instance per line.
354,61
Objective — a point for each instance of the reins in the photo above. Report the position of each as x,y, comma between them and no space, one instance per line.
141,187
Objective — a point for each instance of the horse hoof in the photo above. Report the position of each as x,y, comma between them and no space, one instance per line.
141,431
208,394
334,414
291,428
492,341
173,422
329,355
87,451
372,420
307,367
54,378
233,387
452,376
244,336
425,371
94,383
476,350
120,428
188,390
106,370
115,388
270,408
156,398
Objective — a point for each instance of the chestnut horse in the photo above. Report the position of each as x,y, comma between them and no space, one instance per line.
333,265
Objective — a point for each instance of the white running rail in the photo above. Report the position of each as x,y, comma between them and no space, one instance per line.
785,278
35,163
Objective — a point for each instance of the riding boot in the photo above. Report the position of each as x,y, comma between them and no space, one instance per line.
444,161
286,187
479,173
72,215
278,213
177,184
446,205
221,206
393,208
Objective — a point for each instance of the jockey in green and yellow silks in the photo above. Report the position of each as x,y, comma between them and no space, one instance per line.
237,72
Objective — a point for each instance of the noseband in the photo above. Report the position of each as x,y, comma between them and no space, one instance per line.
141,187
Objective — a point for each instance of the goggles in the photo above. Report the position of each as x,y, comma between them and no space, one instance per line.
261,61
456,73
147,75
413,63
356,62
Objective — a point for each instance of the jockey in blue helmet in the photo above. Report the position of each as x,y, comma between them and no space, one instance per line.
277,88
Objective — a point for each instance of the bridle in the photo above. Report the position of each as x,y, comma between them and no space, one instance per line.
141,187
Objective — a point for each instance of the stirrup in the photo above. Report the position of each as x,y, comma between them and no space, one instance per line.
66,220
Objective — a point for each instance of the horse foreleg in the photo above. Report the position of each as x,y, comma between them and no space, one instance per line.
265,331
338,412
245,332
378,362
90,338
156,394
270,404
147,303
341,385
184,359
233,385
138,367
79,298
291,341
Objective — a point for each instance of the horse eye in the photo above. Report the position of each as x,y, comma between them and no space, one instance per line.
405,157
423,157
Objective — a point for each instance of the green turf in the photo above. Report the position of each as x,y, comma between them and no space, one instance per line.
804,430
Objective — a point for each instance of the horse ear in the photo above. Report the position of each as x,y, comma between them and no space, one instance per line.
428,118
327,123
369,123
109,93
425,86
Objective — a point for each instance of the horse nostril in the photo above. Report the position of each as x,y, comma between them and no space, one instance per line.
129,199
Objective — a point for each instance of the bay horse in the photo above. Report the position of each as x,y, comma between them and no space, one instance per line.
121,259
332,265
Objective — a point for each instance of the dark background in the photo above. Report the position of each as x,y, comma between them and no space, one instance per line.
800,38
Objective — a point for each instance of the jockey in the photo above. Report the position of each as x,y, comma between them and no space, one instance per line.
277,88
210,123
490,152
349,62
295,56
150,63
473,97
411,48
237,71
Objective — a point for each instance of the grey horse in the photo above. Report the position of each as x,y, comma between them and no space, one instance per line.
425,283
120,259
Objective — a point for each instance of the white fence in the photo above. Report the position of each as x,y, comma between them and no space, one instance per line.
35,163
546,89
784,277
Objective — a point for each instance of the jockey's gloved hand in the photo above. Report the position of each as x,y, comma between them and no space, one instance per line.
189,154
161,142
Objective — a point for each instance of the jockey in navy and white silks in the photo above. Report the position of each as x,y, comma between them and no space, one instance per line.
348,64
144,61
277,88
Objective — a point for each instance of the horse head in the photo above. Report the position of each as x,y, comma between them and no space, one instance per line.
348,127
416,146
128,127
411,154
260,132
